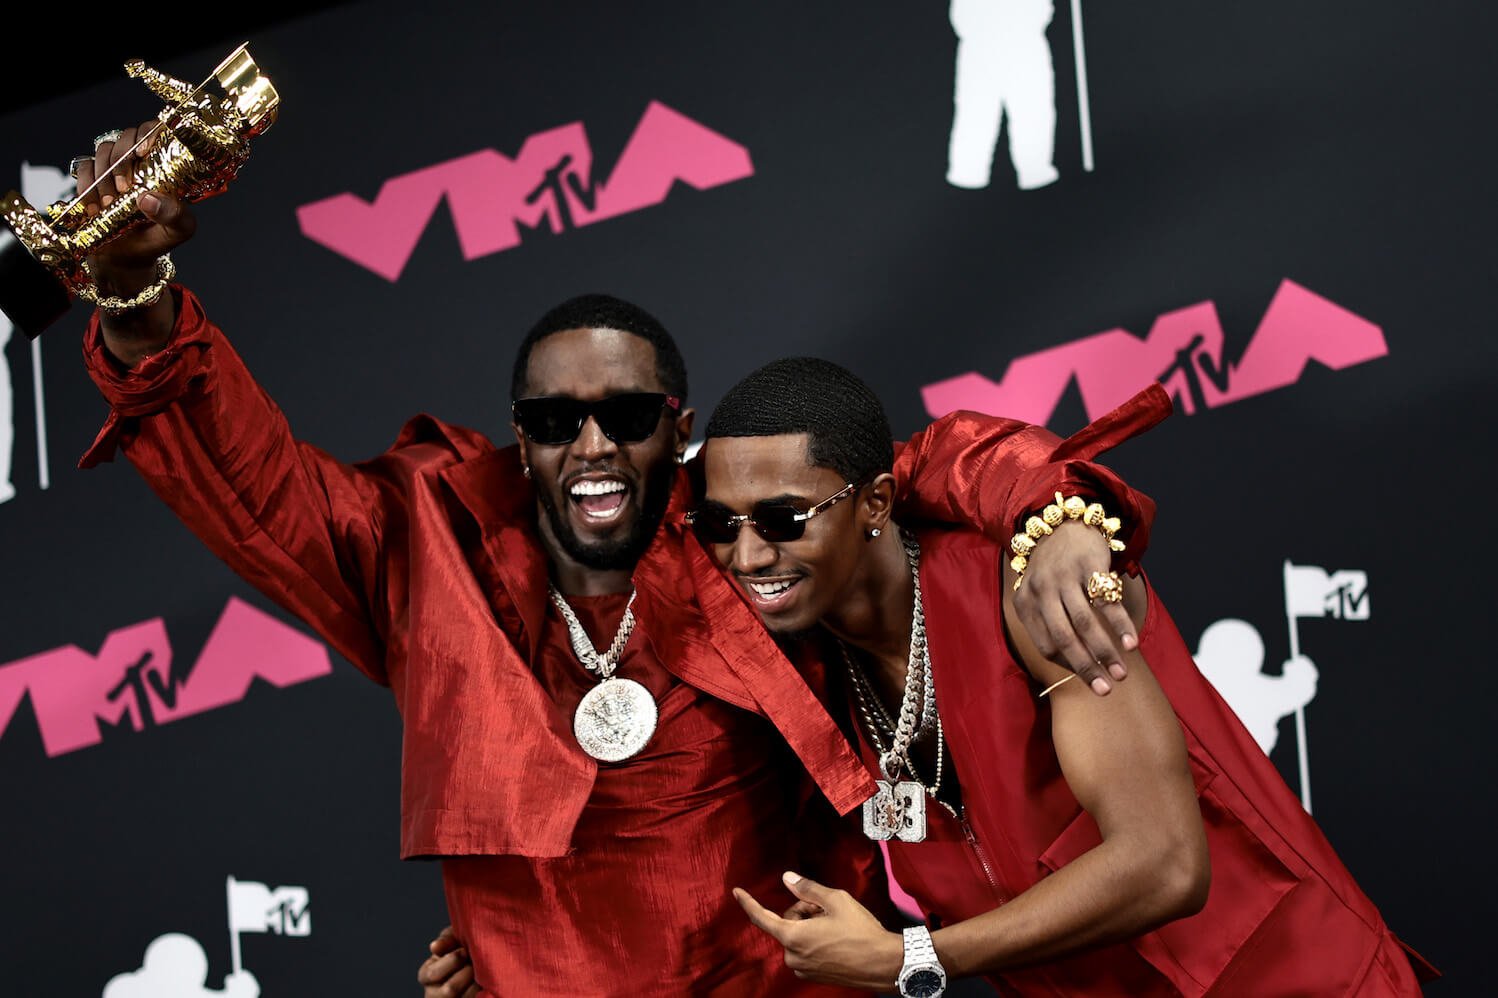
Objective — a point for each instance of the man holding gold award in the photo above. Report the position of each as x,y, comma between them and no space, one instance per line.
600,738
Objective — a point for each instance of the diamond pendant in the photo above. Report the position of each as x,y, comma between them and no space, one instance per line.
896,811
615,719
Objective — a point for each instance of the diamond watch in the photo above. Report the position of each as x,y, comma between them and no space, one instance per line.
922,976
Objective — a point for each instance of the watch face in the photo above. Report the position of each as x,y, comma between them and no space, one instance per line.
921,984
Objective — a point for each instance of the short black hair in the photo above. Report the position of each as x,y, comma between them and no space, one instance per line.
605,312
845,423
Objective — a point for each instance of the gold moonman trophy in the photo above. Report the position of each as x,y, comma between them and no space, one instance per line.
200,142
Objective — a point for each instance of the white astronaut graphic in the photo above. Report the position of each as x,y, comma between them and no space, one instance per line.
40,185
1003,68
175,966
1231,656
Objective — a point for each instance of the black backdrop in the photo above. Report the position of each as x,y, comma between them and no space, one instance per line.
1337,145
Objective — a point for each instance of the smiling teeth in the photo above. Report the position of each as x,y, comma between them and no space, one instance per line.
596,488
770,588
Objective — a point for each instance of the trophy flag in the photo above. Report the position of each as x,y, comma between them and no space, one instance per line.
254,907
1314,592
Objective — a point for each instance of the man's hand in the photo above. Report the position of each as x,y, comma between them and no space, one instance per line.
126,265
1052,603
829,937
137,249
447,973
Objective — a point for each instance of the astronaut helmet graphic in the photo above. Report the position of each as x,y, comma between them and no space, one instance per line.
175,964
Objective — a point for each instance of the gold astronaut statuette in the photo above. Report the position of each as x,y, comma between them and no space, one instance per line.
198,145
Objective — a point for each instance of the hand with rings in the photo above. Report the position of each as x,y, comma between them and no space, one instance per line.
111,136
1055,606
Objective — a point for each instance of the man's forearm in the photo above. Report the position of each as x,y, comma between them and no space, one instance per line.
1113,892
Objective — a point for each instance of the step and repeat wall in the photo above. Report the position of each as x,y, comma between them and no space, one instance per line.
1279,210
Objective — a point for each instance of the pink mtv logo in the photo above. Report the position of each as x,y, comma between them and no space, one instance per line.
132,676
550,182
1183,351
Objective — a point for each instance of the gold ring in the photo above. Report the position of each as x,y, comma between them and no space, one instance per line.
1105,586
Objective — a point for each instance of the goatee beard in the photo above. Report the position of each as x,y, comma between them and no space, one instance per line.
621,553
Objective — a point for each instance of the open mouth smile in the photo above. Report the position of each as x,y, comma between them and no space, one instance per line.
770,595
600,500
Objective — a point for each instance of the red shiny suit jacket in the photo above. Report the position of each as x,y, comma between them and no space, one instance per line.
424,569
1283,917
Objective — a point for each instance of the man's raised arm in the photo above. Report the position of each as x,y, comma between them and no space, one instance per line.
300,526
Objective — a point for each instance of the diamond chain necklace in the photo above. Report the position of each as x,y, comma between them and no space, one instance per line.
602,663
919,696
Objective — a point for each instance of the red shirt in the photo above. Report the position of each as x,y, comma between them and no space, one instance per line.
1283,917
424,569
666,820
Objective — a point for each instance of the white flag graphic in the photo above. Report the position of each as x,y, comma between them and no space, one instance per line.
254,907
1313,592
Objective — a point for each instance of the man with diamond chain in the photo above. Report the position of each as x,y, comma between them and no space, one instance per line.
481,583
1059,842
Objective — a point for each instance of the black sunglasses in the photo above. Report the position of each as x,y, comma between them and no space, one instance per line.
624,419
775,520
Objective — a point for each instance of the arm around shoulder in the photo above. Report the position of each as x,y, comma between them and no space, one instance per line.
300,526
990,472
1124,758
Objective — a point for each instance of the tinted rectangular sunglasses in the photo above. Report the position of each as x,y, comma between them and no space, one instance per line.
775,520
624,419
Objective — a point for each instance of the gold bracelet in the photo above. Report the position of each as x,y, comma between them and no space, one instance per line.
113,305
1061,682
1069,508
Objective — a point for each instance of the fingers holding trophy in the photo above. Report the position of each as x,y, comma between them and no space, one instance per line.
191,151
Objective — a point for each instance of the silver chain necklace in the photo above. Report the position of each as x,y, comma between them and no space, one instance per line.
898,808
881,726
616,718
